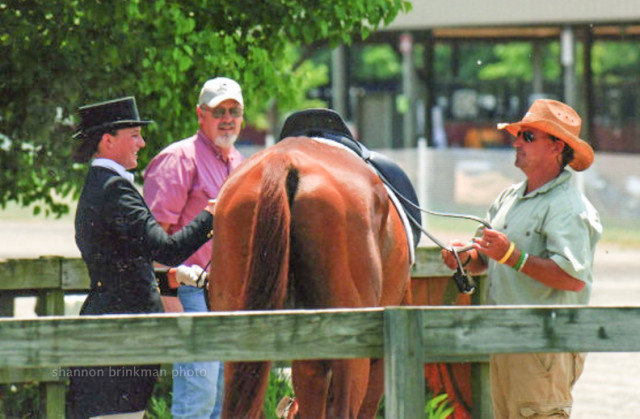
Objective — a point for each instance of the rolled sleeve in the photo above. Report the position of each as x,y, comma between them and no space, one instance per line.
571,239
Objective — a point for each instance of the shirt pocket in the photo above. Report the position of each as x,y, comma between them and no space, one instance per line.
533,237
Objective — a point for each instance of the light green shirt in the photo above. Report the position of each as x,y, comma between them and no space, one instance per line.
555,221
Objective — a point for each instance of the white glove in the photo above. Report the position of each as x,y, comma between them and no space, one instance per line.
192,275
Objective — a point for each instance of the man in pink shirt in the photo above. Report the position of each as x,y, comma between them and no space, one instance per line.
178,183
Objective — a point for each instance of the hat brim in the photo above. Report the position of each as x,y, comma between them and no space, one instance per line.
126,123
221,98
582,152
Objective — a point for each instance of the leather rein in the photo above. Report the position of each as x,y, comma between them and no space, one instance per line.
461,277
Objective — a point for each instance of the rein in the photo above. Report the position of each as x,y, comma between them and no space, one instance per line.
461,277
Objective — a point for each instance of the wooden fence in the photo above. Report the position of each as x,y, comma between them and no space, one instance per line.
407,337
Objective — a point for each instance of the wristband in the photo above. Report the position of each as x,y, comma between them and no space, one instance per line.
507,255
518,264
524,261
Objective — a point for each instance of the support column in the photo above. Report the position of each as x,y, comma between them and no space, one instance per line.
538,79
408,90
339,80
587,83
430,87
567,56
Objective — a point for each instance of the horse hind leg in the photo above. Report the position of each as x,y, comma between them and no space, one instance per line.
249,403
349,379
375,390
311,387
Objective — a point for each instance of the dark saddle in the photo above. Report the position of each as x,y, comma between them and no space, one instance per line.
326,123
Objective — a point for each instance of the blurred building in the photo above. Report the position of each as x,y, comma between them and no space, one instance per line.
453,111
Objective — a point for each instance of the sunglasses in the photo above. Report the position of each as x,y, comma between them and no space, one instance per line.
220,112
528,136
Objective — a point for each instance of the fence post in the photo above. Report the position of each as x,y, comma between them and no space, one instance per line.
404,386
481,407
7,303
52,393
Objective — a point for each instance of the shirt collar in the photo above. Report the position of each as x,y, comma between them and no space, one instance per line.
113,165
216,150
563,177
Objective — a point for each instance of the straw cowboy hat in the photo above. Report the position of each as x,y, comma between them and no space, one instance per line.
561,121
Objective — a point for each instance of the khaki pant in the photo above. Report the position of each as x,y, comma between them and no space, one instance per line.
535,385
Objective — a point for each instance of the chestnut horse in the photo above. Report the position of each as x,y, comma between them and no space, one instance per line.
307,223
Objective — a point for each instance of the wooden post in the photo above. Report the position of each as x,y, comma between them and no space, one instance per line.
52,393
481,407
6,310
403,364
6,303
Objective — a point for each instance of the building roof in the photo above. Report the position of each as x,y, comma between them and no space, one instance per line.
430,14
491,19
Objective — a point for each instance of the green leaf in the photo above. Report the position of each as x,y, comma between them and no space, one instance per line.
69,53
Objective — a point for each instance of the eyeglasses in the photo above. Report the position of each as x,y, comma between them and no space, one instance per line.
528,136
220,112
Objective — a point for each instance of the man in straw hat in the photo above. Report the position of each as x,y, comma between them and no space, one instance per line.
540,251
119,239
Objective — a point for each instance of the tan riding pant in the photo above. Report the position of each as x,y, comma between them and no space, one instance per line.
534,385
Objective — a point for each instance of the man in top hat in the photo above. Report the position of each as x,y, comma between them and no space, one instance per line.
119,239
177,182
540,251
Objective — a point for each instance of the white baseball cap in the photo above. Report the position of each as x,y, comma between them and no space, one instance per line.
216,91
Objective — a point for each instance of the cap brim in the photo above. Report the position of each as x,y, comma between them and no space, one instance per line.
219,99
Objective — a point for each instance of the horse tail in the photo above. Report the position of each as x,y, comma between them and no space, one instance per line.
268,271
267,278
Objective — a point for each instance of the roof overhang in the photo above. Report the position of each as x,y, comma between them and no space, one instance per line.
432,14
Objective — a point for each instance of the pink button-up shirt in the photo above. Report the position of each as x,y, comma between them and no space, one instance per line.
181,179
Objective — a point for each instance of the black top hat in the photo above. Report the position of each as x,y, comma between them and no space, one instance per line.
117,113
314,122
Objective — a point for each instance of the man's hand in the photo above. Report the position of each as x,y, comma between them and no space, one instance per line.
449,259
193,275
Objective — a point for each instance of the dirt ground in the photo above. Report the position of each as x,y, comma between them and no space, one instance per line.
608,387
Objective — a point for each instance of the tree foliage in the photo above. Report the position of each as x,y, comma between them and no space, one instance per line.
59,55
